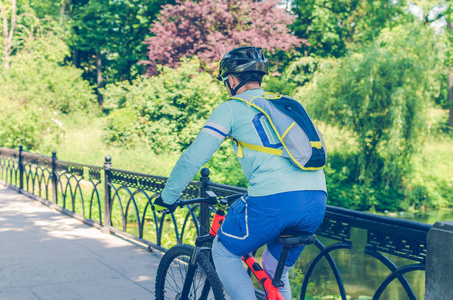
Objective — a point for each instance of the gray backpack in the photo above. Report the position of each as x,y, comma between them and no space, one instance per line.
302,142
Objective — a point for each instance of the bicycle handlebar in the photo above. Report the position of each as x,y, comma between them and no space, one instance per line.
211,199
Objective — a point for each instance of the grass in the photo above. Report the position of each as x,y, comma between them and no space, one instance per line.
437,157
83,143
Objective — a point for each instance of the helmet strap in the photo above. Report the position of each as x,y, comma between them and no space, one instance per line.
235,90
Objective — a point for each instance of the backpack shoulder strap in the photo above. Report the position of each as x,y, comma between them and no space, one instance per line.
249,98
258,148
249,101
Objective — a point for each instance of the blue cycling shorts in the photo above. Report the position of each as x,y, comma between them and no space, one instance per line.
252,222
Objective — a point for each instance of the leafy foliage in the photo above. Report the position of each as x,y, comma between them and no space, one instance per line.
298,72
27,125
168,109
49,85
20,27
114,29
209,28
332,26
36,88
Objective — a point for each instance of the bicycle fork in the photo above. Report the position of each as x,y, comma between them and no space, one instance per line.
193,268
219,217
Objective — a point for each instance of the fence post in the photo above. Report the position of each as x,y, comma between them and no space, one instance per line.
21,169
439,262
54,178
107,191
204,210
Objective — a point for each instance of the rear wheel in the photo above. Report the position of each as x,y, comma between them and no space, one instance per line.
172,271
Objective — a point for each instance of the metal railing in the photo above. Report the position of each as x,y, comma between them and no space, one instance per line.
121,202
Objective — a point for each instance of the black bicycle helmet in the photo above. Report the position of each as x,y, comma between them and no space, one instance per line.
243,59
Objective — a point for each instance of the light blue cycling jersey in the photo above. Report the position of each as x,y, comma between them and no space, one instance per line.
267,174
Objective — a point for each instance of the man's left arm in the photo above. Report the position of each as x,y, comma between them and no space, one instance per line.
199,152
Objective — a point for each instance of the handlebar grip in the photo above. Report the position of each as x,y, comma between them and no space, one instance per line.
211,194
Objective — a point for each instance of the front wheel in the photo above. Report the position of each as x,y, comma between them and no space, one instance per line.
172,271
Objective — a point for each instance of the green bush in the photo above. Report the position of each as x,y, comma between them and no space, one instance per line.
37,76
28,126
431,182
165,111
345,191
431,192
120,128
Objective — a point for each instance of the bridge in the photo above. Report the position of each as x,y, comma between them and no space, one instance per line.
119,202
45,254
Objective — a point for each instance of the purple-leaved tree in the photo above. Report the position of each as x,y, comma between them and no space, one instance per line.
210,28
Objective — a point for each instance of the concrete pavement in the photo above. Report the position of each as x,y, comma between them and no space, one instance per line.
47,255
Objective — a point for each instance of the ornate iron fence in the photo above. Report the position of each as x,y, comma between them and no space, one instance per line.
121,201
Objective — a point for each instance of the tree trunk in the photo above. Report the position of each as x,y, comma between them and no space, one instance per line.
450,97
99,75
450,84
8,34
5,36
64,9
75,58
6,52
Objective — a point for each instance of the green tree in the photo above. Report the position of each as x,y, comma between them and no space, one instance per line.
8,15
107,36
48,9
334,26
19,26
380,95
27,125
430,12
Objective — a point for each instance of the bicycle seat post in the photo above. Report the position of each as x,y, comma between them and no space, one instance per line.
276,281
290,241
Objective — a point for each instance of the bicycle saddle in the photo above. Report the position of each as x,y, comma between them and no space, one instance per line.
296,238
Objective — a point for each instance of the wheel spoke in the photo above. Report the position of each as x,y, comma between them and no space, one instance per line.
172,272
175,287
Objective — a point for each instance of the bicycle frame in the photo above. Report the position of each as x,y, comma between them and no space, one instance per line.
272,292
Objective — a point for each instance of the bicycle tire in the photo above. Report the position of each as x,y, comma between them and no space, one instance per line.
173,268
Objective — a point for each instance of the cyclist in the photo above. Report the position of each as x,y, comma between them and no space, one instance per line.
280,195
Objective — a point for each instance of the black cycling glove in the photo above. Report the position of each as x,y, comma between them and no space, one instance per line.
163,207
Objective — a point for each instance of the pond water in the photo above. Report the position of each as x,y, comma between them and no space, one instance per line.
361,273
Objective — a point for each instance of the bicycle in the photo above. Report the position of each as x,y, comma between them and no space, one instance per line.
187,272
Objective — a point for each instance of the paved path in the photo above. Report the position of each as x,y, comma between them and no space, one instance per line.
47,255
